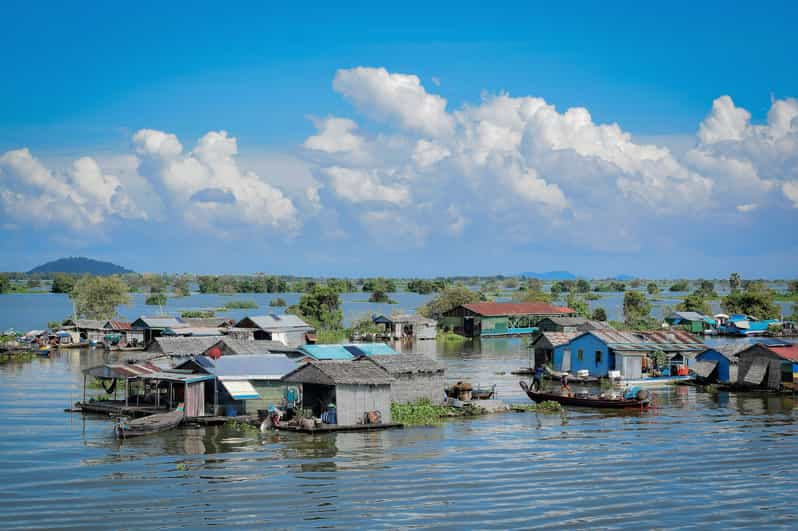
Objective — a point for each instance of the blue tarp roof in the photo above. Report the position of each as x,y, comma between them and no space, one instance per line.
346,352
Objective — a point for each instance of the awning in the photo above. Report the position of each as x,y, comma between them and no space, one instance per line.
240,390
704,368
756,373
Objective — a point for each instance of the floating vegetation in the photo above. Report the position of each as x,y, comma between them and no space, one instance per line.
425,413
279,302
16,356
240,305
203,314
241,426
451,337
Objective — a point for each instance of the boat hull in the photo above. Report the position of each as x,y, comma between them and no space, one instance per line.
592,402
148,425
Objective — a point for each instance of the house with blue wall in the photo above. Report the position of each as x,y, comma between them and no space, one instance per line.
601,351
719,363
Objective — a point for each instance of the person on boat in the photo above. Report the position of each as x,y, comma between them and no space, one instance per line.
537,380
566,389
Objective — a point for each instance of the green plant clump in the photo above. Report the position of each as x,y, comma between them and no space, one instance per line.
241,305
421,413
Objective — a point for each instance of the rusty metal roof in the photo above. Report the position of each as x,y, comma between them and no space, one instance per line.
516,308
556,339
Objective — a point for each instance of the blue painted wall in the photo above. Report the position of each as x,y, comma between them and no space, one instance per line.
723,363
588,344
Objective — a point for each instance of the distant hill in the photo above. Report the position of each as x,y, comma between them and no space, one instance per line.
624,278
81,265
551,275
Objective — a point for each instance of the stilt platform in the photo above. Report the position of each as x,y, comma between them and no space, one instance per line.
118,408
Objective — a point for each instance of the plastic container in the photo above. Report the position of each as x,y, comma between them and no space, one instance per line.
614,375
231,411
583,373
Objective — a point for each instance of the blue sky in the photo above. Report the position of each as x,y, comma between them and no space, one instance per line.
421,140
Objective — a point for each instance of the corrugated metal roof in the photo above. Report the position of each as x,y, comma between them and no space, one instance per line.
208,322
182,346
667,341
246,346
516,308
785,352
557,338
248,366
122,370
192,331
276,322
361,371
346,352
730,350
404,318
89,324
407,363
162,321
117,325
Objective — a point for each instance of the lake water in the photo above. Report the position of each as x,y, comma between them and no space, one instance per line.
697,460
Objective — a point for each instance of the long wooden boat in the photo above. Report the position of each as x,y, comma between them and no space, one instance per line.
159,422
641,402
82,344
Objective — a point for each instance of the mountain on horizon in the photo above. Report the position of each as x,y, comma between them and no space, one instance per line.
80,265
551,275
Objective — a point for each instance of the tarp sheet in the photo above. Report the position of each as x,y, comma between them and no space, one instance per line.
704,368
756,373
240,390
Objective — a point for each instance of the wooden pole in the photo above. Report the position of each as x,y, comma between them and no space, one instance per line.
84,388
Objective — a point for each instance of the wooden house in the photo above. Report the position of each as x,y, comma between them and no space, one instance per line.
415,377
286,328
246,382
630,353
691,321
769,366
352,388
153,327
127,334
407,326
501,318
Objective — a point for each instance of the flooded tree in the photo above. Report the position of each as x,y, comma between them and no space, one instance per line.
99,297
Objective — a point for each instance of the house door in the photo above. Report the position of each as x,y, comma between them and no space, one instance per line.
468,326
566,361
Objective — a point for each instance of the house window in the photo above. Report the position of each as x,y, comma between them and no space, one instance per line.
598,357
580,355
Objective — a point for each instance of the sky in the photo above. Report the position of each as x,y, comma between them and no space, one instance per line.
401,140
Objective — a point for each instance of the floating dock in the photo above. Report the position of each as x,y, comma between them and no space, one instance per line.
331,428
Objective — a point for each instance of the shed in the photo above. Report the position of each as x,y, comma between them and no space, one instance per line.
354,387
720,363
501,318
288,329
768,366
544,344
415,377
407,326
87,329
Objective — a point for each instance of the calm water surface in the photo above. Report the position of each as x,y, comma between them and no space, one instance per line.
698,460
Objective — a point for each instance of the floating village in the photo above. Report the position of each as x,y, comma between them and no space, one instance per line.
270,371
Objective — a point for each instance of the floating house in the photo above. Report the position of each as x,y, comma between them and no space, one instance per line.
544,344
415,377
719,364
570,324
773,366
346,352
246,382
121,332
350,388
87,329
691,321
407,326
744,325
629,353
501,318
147,388
153,327
286,328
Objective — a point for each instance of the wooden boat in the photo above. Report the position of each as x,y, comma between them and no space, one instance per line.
641,401
82,344
159,422
466,389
